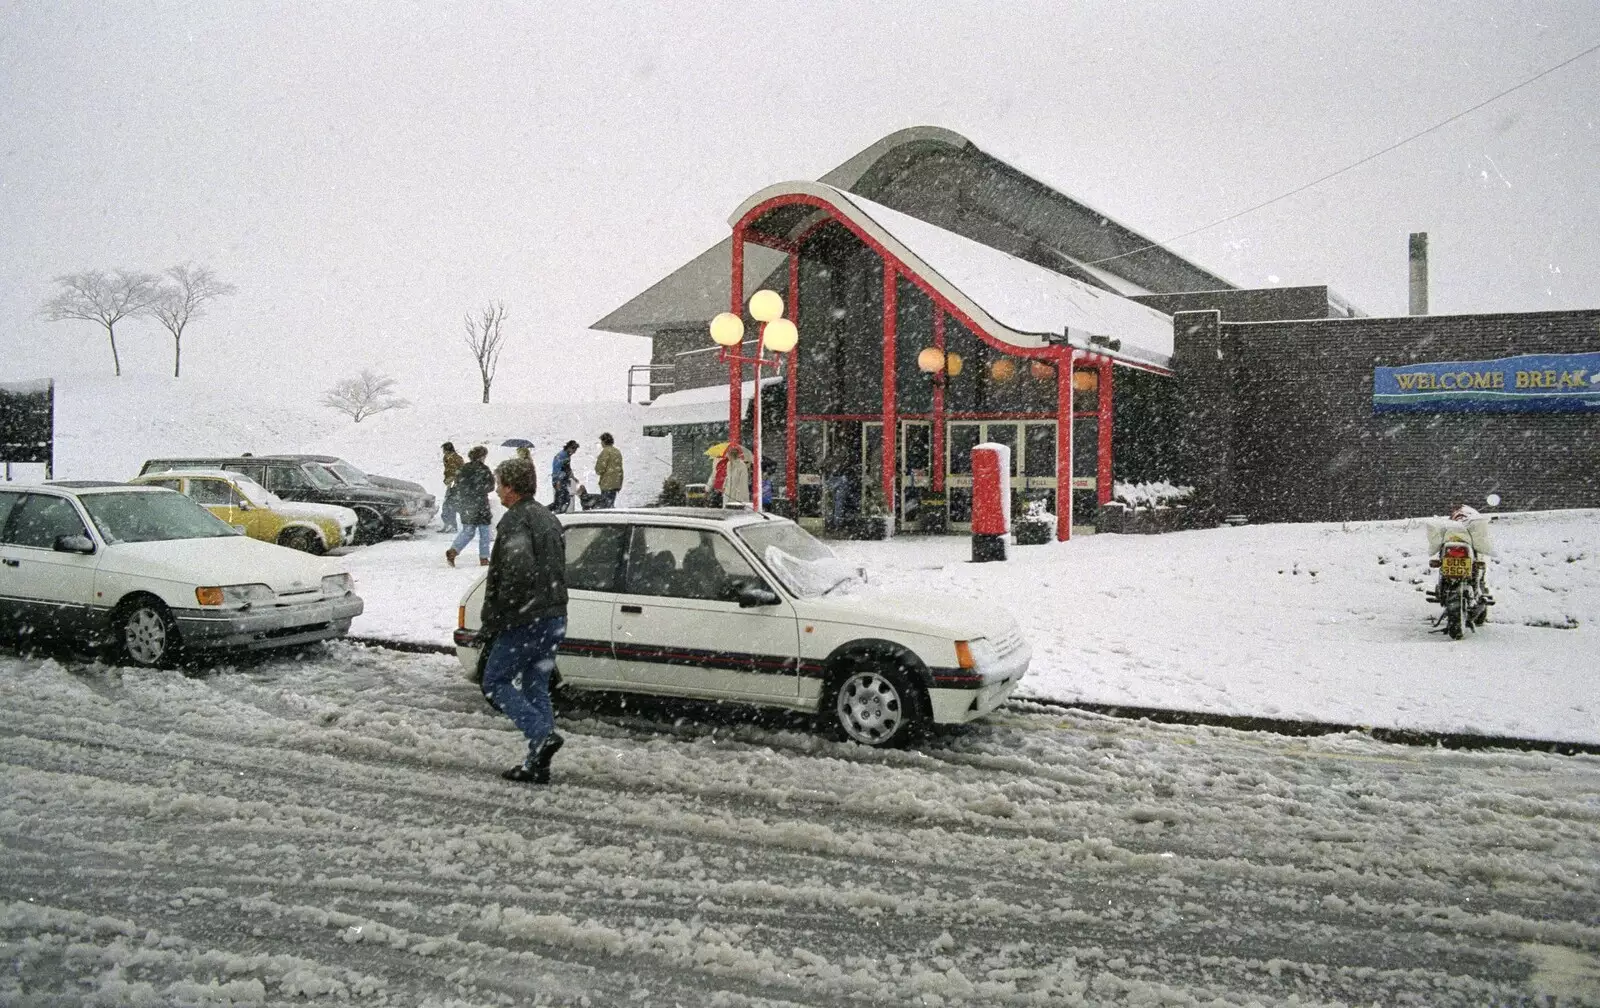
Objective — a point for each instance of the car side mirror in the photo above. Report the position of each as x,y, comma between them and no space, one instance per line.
243,506
74,544
751,596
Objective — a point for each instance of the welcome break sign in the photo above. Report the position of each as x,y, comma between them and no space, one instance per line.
1531,383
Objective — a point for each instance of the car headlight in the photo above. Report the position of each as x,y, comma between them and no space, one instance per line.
235,595
338,584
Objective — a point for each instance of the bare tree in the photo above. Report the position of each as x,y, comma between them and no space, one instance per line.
363,396
182,298
106,298
485,339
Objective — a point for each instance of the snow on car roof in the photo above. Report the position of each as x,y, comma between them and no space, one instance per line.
188,473
726,515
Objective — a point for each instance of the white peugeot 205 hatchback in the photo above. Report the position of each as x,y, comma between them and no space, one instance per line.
739,606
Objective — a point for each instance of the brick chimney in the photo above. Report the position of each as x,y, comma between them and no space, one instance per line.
1419,273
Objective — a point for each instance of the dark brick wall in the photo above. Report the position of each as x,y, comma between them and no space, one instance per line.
694,360
1266,304
1280,424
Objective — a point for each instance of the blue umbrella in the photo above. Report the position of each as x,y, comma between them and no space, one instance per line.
517,442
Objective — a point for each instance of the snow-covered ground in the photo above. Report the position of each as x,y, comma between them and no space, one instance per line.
327,826
330,828
1309,622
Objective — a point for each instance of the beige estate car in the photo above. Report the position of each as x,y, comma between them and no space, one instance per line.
739,606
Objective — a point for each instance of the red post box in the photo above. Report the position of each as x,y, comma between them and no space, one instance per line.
991,501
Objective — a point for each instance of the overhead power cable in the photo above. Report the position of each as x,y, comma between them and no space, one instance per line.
1354,164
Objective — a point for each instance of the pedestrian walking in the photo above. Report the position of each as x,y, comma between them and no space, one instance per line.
735,476
452,465
525,613
474,484
562,478
608,466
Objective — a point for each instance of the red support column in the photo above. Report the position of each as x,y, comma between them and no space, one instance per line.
791,435
891,425
735,369
938,406
1102,478
1064,445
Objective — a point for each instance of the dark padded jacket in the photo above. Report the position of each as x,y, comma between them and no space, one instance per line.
474,484
527,569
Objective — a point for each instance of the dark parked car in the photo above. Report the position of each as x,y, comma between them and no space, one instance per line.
382,512
425,506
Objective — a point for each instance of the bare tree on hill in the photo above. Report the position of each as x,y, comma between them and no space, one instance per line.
106,298
363,396
486,338
182,299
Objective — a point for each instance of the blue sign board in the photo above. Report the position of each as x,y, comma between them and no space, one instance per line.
1530,383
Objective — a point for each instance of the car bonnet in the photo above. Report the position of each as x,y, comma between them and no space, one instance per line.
913,612
222,560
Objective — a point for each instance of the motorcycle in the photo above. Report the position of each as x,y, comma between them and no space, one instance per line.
1458,546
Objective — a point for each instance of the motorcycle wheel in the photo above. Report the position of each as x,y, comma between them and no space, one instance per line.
1455,614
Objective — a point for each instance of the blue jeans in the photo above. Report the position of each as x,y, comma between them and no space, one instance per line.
608,498
529,651
447,511
465,536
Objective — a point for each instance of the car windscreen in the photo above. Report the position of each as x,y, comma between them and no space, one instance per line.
255,493
347,472
319,477
151,517
800,560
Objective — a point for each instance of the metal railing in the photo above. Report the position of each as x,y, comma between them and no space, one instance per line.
647,372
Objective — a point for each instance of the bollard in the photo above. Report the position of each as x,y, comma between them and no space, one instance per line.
991,501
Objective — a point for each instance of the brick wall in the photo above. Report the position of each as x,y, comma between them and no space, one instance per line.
1258,305
1279,423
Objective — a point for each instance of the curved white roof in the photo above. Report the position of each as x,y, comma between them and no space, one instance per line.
1013,300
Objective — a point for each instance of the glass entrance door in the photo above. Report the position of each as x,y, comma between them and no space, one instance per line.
915,461
1033,463
872,468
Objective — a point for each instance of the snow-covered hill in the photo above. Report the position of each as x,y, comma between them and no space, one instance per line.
105,428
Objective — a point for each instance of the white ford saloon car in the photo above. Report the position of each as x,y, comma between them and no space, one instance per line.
739,606
148,574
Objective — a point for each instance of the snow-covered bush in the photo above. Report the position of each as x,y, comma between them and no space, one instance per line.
1155,494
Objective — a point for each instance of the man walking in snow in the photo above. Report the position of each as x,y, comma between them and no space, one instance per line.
474,484
562,478
452,465
525,613
608,466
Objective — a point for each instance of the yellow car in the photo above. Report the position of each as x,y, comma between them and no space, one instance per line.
258,512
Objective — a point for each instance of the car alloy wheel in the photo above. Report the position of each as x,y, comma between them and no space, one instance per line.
148,635
304,540
875,706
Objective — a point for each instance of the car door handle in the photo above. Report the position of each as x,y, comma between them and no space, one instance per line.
626,608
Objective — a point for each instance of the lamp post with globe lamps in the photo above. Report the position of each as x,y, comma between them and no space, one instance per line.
778,333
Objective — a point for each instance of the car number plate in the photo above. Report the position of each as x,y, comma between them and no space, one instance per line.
1456,567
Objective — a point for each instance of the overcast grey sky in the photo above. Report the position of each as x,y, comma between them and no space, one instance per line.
366,173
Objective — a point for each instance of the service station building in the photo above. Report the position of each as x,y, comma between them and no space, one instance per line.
944,299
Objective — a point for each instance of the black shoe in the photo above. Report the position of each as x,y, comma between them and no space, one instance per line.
552,745
527,775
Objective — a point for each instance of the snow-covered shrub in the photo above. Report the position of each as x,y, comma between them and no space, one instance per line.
1151,495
